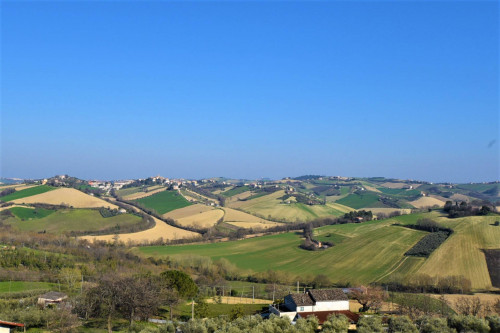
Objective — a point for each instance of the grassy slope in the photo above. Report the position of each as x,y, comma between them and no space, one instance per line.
18,286
74,220
164,202
461,253
371,251
271,205
358,201
30,213
27,192
235,190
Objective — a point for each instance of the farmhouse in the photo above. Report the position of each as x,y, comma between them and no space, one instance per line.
317,302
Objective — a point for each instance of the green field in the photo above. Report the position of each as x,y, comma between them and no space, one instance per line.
235,190
358,201
30,213
164,202
73,220
365,252
272,206
22,286
399,191
461,253
27,192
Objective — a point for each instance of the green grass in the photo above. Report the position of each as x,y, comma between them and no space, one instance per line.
67,220
22,286
164,202
358,201
235,191
399,191
215,310
30,213
478,187
27,193
366,252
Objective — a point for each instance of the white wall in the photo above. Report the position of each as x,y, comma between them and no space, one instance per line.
309,308
4,330
331,306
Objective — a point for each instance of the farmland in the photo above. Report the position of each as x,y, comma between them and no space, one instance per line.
272,206
27,193
65,196
358,201
245,220
22,286
461,254
66,220
24,213
164,202
160,230
370,250
235,190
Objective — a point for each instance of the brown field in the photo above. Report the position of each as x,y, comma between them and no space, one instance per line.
188,211
459,197
161,229
202,220
240,300
426,202
194,195
139,195
17,187
389,210
240,196
66,196
245,220
453,298
254,225
371,188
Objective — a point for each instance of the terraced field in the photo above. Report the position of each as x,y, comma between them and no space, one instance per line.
164,202
27,192
369,251
461,253
271,206
66,220
65,196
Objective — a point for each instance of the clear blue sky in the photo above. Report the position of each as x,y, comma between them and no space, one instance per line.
250,89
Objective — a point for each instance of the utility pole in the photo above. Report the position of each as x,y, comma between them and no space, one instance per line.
81,286
192,309
297,287
253,294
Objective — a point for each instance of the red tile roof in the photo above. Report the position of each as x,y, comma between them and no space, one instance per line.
8,323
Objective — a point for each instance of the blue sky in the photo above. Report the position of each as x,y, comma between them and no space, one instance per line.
250,89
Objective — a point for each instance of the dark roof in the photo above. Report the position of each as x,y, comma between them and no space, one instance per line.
10,324
301,299
53,295
321,295
323,315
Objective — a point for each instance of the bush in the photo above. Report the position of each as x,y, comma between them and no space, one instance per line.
468,324
370,325
427,244
401,324
336,324
433,325
494,323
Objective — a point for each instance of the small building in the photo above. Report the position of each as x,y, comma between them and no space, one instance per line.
316,302
52,297
6,326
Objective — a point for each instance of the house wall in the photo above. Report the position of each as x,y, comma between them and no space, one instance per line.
331,306
4,329
309,308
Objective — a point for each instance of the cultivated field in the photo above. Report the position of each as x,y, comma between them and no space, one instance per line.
139,195
66,220
26,192
453,298
461,253
426,202
160,230
197,215
272,206
361,201
368,251
65,196
240,300
245,220
164,202
23,286
398,185
376,211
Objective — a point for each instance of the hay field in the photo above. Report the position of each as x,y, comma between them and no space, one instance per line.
139,195
389,210
187,211
204,219
453,298
240,196
370,250
426,202
160,230
66,196
272,206
244,220
459,197
461,253
398,185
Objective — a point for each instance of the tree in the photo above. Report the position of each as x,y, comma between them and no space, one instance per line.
171,298
370,325
468,324
494,323
336,324
236,312
70,276
307,325
181,282
428,324
372,297
469,306
401,324
321,281
201,308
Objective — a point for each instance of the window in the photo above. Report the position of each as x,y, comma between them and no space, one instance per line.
301,308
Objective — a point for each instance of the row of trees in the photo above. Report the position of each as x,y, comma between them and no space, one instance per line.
463,209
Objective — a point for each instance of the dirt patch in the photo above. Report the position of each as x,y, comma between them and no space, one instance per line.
493,263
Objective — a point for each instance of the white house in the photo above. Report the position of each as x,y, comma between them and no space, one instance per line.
317,302
6,326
